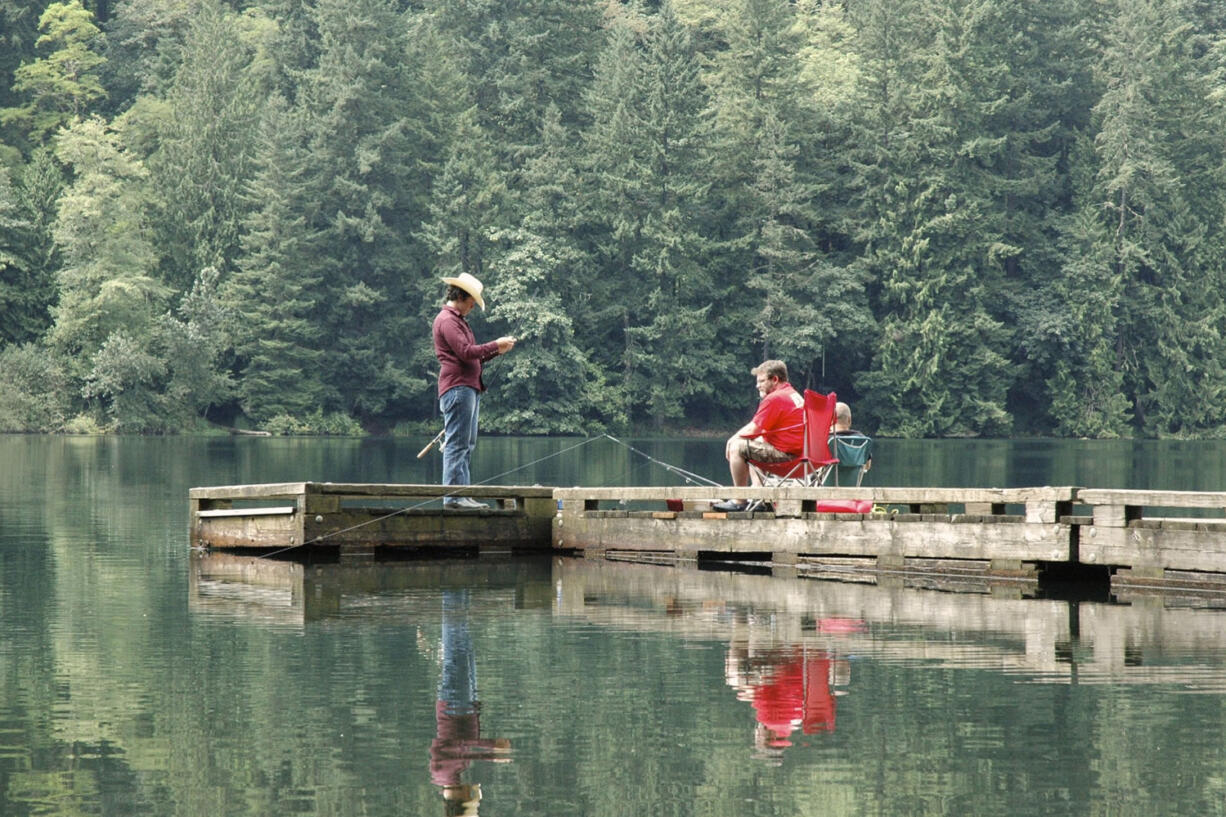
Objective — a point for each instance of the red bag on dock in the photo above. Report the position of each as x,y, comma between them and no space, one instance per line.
845,506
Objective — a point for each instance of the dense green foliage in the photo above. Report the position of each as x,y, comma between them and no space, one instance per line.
968,217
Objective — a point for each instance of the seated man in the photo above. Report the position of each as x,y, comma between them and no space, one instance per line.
775,434
857,454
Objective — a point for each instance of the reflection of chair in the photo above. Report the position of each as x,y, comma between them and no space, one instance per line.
852,453
813,465
794,691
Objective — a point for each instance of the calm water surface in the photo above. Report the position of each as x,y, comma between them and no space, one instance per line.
136,679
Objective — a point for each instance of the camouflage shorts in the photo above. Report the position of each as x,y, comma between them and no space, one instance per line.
757,449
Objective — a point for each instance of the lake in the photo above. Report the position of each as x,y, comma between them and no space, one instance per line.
138,679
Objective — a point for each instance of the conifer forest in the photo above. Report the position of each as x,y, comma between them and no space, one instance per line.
967,217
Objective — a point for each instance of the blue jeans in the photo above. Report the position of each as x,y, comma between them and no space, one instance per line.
460,406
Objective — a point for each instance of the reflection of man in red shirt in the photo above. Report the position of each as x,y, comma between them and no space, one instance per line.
775,434
787,688
795,692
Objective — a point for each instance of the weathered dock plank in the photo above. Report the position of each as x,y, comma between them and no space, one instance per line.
819,534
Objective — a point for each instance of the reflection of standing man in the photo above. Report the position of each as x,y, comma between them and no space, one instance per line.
457,739
459,380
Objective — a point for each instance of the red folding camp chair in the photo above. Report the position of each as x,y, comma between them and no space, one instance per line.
816,460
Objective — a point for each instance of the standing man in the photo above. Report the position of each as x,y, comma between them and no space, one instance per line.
459,381
775,434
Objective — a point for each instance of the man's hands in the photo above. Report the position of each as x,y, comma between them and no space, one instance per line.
505,344
750,429
733,440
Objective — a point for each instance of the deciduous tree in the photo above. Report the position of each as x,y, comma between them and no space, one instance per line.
106,283
64,84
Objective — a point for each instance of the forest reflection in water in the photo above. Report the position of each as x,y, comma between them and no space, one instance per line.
138,679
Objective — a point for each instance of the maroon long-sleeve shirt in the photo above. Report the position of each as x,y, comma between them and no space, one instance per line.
459,355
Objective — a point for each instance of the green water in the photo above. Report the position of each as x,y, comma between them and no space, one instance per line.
135,679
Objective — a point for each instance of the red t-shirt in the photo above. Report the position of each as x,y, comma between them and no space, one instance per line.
797,692
781,419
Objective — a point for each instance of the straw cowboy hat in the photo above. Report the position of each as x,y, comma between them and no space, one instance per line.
469,284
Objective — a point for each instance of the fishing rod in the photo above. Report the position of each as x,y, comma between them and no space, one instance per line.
688,476
431,444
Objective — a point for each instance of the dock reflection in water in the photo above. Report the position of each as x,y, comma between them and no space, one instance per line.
1152,639
613,681
764,620
1155,639
290,594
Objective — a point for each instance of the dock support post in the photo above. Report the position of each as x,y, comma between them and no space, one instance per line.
890,561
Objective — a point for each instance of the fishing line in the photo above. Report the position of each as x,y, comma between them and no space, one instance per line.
688,476
459,491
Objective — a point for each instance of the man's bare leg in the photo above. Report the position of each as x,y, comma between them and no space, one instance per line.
737,465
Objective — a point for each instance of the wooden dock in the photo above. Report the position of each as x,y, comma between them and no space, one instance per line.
1140,539
1166,539
356,519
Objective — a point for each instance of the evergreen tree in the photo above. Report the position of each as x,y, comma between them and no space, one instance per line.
612,198
438,133
19,307
275,294
358,194
941,367
806,301
649,144
548,385
1018,80
205,145
1085,384
521,57
38,192
18,31
296,46
511,63
458,233
143,50
1164,213
795,300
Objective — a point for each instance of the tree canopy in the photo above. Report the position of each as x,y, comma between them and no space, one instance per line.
967,217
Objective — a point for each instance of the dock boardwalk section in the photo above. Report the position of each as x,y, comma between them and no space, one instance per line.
358,518
957,531
1168,539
